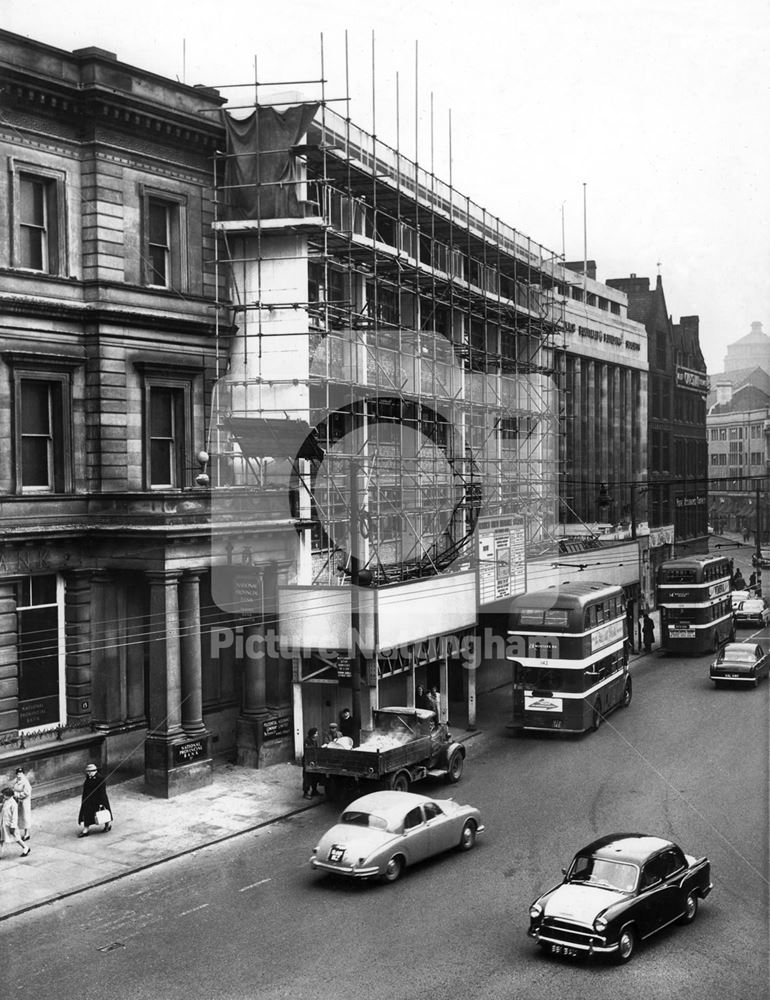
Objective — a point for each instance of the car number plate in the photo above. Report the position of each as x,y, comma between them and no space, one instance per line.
336,854
562,949
732,676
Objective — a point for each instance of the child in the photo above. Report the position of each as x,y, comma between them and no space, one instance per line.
9,822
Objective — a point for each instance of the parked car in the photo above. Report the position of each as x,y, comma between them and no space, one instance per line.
741,662
618,891
753,611
763,560
381,833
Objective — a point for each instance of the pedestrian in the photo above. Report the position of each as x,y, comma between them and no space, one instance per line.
421,698
433,700
648,632
753,581
22,791
746,534
738,582
346,723
9,822
310,778
93,800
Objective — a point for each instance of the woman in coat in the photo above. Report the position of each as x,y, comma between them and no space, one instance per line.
93,799
22,791
9,822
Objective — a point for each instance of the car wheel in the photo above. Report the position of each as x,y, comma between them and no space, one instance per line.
627,694
456,764
690,909
393,869
626,944
400,782
468,836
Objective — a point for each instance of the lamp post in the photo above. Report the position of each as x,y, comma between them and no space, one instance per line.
758,543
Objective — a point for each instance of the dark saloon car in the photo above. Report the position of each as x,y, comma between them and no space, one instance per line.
741,663
618,891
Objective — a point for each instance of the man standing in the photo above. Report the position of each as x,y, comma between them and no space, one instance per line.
346,723
310,778
648,632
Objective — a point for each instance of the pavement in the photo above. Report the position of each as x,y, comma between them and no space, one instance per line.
147,831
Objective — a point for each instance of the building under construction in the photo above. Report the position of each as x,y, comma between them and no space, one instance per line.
390,355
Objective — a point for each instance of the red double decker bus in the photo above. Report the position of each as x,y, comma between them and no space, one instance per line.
570,657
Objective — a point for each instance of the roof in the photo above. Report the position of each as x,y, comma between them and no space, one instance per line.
635,848
387,804
550,598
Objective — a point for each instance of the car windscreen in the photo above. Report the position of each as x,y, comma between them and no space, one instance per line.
356,818
605,874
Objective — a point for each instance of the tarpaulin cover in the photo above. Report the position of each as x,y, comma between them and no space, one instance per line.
261,171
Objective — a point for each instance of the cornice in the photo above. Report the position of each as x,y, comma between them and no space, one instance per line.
100,106
91,313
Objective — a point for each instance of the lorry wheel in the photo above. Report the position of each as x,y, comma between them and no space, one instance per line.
400,782
332,787
455,769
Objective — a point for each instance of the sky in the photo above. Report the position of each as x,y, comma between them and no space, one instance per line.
652,115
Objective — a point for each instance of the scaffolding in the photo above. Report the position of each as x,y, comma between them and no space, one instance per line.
410,333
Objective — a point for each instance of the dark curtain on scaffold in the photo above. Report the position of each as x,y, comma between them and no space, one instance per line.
262,173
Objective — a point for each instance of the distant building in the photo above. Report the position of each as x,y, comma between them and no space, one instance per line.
751,351
677,451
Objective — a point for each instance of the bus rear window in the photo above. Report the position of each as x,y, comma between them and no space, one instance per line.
678,576
553,617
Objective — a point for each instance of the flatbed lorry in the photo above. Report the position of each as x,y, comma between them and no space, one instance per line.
405,745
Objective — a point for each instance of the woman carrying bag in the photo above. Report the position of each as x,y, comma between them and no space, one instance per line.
95,804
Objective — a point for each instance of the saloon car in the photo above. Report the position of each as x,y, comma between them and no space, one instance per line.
753,611
381,833
741,663
618,891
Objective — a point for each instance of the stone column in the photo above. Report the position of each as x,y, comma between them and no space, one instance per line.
9,667
77,630
190,646
173,762
165,657
107,682
254,709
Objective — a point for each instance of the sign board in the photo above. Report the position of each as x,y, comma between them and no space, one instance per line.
185,753
502,565
344,666
277,727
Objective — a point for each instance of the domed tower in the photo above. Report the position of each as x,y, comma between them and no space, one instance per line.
751,351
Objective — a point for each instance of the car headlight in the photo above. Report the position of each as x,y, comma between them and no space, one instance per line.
535,911
600,924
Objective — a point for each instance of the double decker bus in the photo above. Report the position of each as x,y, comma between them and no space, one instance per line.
570,657
693,596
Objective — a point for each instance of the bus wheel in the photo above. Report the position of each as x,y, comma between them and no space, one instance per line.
627,694
597,720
